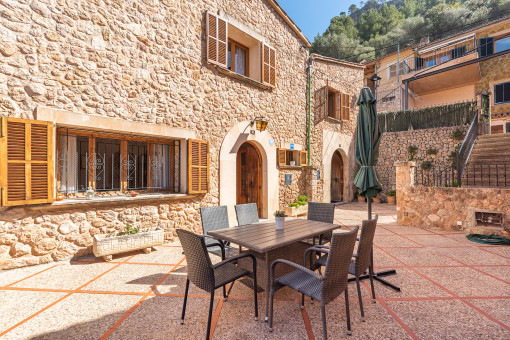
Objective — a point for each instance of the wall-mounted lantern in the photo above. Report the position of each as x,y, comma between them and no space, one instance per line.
260,123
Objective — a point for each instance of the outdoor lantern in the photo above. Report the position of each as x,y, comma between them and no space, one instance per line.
375,78
260,123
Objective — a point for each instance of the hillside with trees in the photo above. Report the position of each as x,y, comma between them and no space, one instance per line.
377,27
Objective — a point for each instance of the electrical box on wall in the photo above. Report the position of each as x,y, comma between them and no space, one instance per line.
288,179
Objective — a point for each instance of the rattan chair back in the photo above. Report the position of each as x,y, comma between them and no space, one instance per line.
247,213
337,265
322,212
366,241
214,218
200,269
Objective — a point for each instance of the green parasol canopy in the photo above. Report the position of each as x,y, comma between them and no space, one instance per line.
368,137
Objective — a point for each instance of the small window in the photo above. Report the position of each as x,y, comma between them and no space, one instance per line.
507,127
502,93
430,62
288,157
502,44
458,52
403,69
392,71
333,104
388,99
238,58
486,46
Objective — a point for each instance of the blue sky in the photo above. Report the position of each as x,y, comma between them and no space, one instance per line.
313,16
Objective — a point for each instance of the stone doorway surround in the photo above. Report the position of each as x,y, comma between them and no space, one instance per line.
332,142
237,135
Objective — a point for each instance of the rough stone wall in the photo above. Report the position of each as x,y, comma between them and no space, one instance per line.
393,148
139,61
494,71
346,79
289,193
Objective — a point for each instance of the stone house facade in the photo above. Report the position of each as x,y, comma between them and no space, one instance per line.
161,98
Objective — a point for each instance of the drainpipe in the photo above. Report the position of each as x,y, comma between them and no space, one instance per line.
309,120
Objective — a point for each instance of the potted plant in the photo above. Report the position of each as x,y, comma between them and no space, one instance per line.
391,196
280,219
132,238
360,198
297,208
59,197
376,200
133,193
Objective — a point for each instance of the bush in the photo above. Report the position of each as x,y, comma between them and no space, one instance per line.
432,152
302,198
457,134
411,149
391,193
426,165
294,205
301,203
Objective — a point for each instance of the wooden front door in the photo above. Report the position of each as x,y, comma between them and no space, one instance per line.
249,176
337,178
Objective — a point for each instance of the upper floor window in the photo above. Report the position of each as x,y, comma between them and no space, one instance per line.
486,46
332,103
236,48
502,93
502,44
392,69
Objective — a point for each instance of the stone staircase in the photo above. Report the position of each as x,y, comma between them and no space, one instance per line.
489,163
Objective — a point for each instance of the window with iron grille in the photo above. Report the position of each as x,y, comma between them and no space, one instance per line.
116,163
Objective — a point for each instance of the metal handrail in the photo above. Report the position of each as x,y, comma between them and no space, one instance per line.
466,148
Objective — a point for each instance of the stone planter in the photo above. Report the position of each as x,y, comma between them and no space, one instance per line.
296,211
376,200
361,199
392,199
107,246
279,222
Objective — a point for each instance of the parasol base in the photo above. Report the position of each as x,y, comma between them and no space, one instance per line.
377,277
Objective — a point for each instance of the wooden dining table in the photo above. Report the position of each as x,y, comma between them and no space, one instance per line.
267,244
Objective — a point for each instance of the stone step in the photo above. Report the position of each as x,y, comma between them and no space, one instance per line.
490,159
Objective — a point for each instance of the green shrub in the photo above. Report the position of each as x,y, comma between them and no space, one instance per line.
411,149
279,213
426,165
457,134
391,193
302,198
432,152
294,205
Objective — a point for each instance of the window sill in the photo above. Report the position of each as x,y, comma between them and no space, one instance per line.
243,78
73,203
292,167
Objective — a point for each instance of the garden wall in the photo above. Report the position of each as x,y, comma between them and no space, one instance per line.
447,208
394,145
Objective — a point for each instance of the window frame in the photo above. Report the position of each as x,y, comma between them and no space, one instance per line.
503,93
233,43
495,42
174,179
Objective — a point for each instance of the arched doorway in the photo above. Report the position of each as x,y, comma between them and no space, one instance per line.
249,175
337,177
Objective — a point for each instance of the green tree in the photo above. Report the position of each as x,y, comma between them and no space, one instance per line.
342,24
370,23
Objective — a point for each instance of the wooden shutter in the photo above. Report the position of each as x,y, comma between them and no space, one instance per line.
303,158
198,166
217,39
337,114
345,109
268,65
282,156
26,155
321,102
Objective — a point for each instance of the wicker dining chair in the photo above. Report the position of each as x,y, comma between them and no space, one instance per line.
247,213
215,218
362,259
322,212
323,288
203,274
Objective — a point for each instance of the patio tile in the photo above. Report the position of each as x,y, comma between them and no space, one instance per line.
163,255
500,250
502,272
446,320
159,318
130,278
381,259
236,321
466,281
10,276
498,309
474,256
421,257
375,316
393,241
434,240
70,276
411,283
461,240
406,230
80,316
19,305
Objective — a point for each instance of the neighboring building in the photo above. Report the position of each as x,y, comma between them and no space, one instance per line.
162,99
464,67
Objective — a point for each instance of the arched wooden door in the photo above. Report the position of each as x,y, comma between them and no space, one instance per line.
249,176
337,178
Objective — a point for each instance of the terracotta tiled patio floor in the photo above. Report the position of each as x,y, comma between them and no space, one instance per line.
451,288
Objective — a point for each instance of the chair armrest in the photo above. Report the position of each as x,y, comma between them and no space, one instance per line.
295,265
230,259
317,249
219,244
321,246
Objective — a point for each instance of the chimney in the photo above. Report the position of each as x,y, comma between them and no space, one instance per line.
425,40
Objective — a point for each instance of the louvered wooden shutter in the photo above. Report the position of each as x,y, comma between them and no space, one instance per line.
337,110
321,102
26,154
282,156
217,38
345,106
303,158
268,65
198,166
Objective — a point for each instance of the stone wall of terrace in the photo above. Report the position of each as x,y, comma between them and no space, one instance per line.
394,148
448,208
